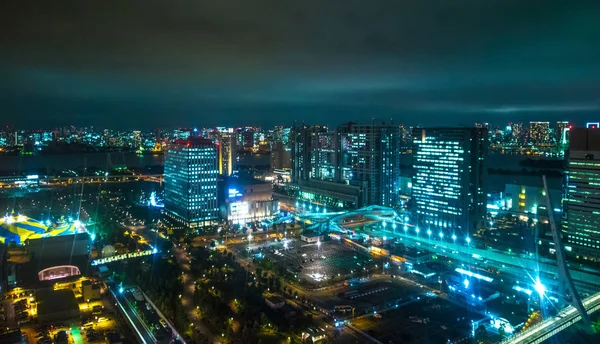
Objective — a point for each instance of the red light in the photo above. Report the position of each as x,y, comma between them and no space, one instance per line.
570,127
188,144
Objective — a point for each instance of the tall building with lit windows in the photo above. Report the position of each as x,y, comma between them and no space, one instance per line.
581,203
191,182
539,133
305,141
370,153
448,180
350,167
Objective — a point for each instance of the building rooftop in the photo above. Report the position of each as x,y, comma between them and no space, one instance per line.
54,301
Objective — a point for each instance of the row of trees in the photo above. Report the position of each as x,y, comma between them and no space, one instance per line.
161,281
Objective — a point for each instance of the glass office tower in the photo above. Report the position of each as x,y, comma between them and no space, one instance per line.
448,181
581,221
191,182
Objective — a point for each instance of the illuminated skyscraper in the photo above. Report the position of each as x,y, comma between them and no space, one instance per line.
227,150
448,181
581,221
539,133
371,153
304,140
191,182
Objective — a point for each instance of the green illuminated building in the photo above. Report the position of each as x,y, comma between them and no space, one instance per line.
581,205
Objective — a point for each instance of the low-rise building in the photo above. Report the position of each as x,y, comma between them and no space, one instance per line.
275,302
245,200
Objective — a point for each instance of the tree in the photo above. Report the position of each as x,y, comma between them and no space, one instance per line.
481,335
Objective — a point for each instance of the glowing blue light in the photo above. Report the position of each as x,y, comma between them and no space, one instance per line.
539,287
466,283
441,235
154,250
454,237
120,290
93,237
468,240
406,219
429,232
48,223
417,230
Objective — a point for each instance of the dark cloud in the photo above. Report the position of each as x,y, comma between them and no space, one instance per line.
144,63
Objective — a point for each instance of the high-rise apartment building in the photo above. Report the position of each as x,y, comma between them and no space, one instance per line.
361,163
539,133
448,180
303,141
581,203
191,182
281,156
371,153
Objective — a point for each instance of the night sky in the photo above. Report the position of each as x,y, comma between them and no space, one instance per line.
144,64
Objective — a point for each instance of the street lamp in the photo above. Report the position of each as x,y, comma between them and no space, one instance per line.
468,240
383,224
454,237
417,230
429,233
441,235
318,243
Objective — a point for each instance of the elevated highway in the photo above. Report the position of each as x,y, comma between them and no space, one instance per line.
551,326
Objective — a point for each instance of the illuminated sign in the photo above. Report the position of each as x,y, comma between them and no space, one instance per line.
33,176
592,125
239,208
233,193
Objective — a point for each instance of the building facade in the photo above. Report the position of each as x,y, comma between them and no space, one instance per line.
352,156
191,182
227,149
448,180
581,203
246,200
371,153
304,141
539,133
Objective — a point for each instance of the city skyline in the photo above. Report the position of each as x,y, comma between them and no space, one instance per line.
183,64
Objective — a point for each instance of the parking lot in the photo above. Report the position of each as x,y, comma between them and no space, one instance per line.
314,264
426,320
